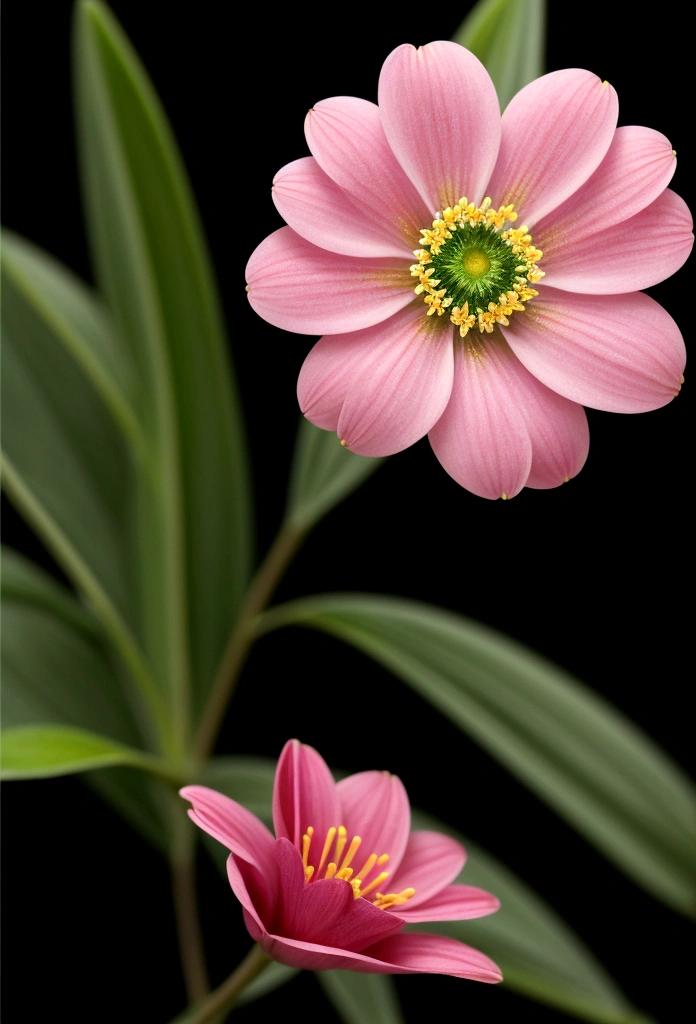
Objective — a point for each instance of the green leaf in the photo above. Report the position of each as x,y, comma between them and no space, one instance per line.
323,474
56,667
271,978
153,266
539,954
508,37
593,766
362,998
36,752
66,418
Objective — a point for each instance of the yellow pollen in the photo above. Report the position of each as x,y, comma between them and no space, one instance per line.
476,263
345,872
352,850
330,836
344,442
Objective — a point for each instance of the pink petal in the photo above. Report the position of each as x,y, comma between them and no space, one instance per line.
441,116
325,912
414,953
324,213
635,254
304,794
240,888
431,861
346,136
621,353
482,439
638,166
299,287
230,823
557,428
556,132
381,388
453,903
374,806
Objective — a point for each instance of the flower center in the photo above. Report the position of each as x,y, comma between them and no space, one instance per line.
338,862
472,267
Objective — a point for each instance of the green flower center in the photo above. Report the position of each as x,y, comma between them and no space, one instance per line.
470,266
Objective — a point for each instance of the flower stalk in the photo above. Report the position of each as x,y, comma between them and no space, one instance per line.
225,996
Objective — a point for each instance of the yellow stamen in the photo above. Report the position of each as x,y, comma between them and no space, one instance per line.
393,899
373,885
330,836
331,870
367,867
308,872
352,850
346,874
340,843
306,842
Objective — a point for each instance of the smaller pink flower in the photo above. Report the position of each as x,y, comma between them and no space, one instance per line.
343,876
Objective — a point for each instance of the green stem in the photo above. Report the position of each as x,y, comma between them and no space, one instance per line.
262,586
182,860
224,997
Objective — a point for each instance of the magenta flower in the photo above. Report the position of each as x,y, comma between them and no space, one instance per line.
343,876
492,365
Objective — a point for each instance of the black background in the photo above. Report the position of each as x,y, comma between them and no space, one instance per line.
591,574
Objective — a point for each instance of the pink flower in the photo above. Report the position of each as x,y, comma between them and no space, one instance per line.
494,366
343,876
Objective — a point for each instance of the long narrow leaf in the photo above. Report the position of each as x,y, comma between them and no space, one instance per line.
44,751
508,37
153,266
362,998
323,474
539,954
56,668
571,747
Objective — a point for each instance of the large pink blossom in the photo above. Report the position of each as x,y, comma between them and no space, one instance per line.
489,362
344,874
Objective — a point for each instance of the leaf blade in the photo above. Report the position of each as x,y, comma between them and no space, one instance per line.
508,37
573,749
152,262
323,474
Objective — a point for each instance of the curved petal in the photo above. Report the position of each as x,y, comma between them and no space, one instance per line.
374,806
557,428
304,795
252,917
299,287
620,353
414,953
635,254
481,439
441,116
230,823
324,213
346,136
325,911
638,167
453,903
556,132
382,388
430,862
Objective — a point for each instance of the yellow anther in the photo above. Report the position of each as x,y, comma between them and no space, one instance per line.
330,836
367,867
331,870
373,885
393,899
352,850
308,872
340,843
345,874
383,859
306,842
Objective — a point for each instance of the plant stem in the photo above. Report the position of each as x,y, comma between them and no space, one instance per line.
224,997
183,871
262,586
